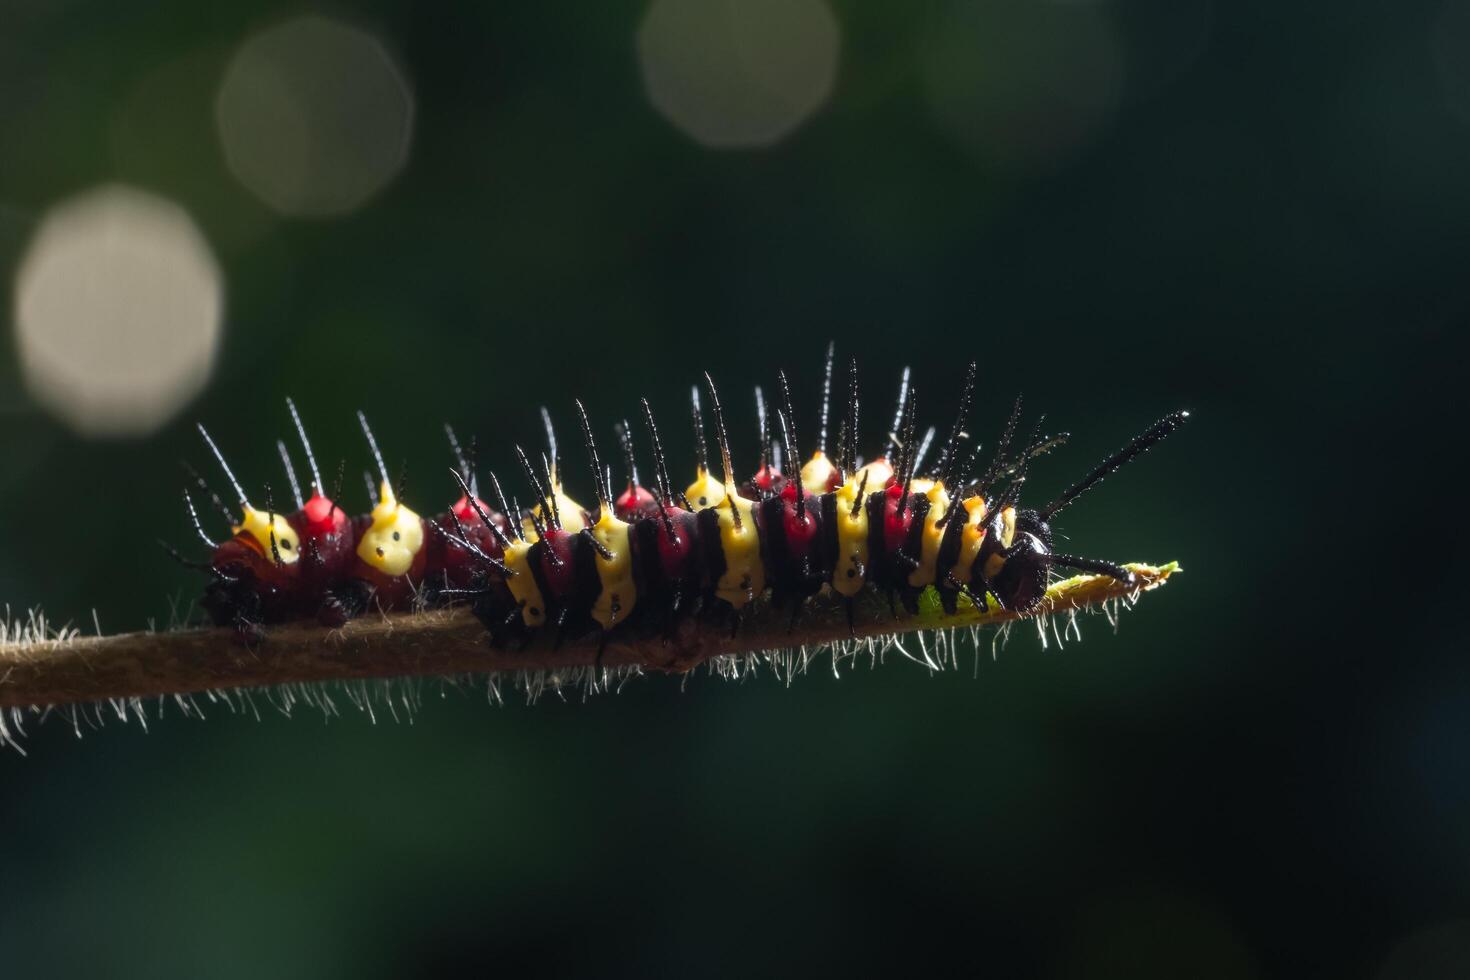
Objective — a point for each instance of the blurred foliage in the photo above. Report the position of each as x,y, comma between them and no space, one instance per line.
1246,780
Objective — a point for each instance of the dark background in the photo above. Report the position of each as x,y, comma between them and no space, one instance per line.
1265,772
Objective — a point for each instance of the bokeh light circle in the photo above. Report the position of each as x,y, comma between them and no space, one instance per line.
1022,85
118,308
314,116
738,73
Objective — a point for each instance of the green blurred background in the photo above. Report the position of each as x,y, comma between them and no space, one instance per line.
1254,210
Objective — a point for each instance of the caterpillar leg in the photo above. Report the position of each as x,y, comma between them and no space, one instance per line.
949,593
715,612
250,632
332,613
906,561
343,602
669,622
675,603
561,629
980,599
238,606
796,603
525,636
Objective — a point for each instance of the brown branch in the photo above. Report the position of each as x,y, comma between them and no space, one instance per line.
447,642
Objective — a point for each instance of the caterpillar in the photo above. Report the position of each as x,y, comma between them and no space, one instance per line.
647,557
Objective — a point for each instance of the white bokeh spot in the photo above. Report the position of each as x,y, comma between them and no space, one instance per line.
118,308
314,116
738,73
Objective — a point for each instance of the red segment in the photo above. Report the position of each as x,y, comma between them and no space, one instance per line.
635,502
767,480
895,526
474,525
320,517
465,511
673,551
559,575
798,524
328,545
457,564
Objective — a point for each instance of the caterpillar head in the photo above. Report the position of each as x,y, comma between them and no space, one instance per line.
394,538
1021,582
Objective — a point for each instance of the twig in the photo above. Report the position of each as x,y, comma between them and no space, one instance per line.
447,642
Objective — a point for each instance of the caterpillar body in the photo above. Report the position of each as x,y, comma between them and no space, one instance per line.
649,556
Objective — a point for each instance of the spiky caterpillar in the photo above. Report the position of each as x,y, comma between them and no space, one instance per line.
652,557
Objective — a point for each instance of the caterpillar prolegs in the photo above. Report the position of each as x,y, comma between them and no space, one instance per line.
651,556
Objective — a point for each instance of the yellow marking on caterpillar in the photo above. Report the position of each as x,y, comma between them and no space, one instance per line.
573,516
930,537
705,491
973,536
817,471
395,537
256,524
522,584
852,542
745,575
619,593
995,562
879,473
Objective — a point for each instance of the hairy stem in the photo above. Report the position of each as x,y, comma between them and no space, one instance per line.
452,641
